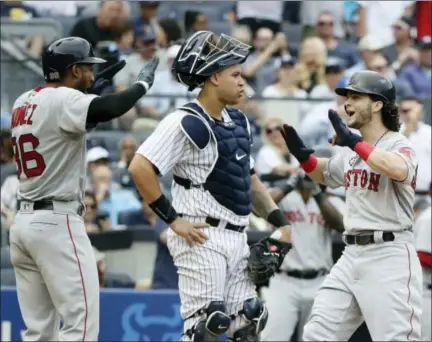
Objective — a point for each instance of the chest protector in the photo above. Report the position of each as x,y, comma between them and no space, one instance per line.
229,181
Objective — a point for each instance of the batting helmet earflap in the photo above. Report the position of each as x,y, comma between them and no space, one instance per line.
205,53
371,83
65,52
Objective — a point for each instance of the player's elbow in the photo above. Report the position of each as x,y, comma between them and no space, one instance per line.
140,166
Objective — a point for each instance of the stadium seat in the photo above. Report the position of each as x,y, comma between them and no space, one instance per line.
118,280
132,218
67,24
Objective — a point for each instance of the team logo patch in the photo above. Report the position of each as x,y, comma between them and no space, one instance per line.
406,152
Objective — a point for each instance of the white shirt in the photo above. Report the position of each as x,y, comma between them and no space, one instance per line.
310,10
381,15
269,10
9,191
421,143
267,159
51,143
168,148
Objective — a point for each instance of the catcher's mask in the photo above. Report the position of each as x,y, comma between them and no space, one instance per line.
205,53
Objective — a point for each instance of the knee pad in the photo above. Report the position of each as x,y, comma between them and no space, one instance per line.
214,323
255,313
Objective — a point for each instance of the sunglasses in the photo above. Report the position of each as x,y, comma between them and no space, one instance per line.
379,68
325,23
273,129
90,205
404,110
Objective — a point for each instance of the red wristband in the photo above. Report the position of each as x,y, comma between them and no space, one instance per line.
310,164
363,149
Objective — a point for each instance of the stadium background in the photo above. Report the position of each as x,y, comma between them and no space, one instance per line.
137,299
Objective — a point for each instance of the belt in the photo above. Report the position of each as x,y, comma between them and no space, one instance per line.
306,274
186,183
367,239
215,222
430,286
48,205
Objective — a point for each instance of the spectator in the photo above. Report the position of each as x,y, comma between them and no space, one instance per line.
17,10
147,20
8,199
169,33
259,68
127,148
101,27
91,210
194,21
96,156
146,44
124,37
368,47
175,94
419,133
111,198
286,85
333,73
311,65
380,64
242,33
417,70
335,47
310,10
274,157
7,159
377,17
259,14
404,35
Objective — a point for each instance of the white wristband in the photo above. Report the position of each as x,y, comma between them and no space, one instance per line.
144,84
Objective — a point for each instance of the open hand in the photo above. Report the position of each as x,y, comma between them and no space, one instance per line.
344,136
191,232
103,78
295,144
147,73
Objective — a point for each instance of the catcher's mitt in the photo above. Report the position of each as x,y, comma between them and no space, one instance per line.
266,256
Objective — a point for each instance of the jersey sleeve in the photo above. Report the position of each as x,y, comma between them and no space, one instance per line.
404,149
334,171
73,107
164,147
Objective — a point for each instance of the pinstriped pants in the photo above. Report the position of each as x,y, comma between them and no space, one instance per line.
214,271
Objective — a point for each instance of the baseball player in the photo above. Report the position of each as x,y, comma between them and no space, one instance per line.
378,277
422,233
306,265
206,144
54,262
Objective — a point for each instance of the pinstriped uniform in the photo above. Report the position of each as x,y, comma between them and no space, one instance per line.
215,270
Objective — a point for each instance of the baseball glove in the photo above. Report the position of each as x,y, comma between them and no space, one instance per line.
266,256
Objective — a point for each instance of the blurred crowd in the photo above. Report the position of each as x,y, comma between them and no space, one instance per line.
301,50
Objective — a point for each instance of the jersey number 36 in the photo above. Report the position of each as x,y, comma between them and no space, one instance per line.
28,161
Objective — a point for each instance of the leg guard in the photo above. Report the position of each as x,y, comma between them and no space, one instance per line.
214,323
256,315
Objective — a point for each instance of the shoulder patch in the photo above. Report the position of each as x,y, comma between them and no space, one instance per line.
196,131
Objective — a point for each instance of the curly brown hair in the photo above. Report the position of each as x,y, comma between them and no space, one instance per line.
389,114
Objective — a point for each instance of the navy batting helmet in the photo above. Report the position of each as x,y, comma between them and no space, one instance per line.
205,53
65,52
371,83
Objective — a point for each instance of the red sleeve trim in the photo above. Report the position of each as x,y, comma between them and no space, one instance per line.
425,259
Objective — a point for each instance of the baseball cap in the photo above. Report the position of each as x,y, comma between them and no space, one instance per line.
334,64
285,60
146,34
370,42
425,42
97,153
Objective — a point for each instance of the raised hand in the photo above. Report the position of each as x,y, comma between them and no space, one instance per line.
295,145
103,78
147,73
344,136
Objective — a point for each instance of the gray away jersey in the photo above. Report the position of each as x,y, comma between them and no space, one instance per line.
48,133
168,148
373,201
312,241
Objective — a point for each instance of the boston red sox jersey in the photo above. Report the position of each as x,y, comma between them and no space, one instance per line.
312,241
168,149
423,236
48,134
373,201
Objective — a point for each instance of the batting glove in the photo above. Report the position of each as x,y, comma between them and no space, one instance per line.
102,79
295,145
344,136
147,74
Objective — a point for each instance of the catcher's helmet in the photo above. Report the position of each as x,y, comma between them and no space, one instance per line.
65,52
205,53
371,83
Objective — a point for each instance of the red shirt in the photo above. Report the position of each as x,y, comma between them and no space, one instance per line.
424,19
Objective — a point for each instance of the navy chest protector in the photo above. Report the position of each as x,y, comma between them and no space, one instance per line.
229,181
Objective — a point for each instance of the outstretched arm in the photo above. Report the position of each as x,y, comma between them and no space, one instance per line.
264,206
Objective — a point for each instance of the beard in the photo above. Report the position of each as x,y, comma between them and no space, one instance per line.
360,118
83,85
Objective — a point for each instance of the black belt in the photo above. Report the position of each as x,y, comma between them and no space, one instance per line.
185,183
367,239
430,286
215,222
48,205
306,274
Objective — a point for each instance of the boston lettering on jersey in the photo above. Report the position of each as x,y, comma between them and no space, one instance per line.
23,115
229,182
297,216
362,178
